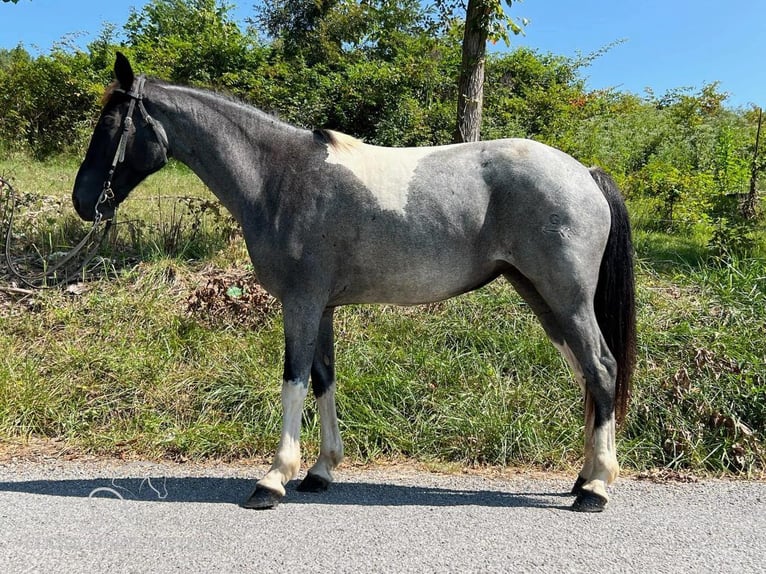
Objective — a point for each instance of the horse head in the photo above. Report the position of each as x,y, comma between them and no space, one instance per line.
123,149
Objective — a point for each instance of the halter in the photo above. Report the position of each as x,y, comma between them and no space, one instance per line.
136,97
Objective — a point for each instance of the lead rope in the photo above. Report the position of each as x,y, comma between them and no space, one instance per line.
64,271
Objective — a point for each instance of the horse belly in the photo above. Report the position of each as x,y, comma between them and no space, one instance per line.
413,276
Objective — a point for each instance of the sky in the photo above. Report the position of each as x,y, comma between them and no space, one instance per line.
666,44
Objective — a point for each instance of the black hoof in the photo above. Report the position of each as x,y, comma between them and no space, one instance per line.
313,483
587,501
577,488
262,498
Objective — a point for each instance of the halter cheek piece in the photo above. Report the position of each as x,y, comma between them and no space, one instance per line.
136,96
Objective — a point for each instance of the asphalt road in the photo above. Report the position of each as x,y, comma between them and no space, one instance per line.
100,517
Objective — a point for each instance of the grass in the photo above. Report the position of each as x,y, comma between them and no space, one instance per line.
129,366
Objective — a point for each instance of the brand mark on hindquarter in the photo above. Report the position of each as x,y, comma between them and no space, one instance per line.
556,226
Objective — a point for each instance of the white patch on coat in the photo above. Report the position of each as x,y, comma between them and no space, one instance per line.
386,172
573,363
287,461
331,448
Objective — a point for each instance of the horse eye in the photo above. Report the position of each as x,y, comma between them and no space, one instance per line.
108,121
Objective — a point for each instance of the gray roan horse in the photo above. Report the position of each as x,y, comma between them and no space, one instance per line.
329,221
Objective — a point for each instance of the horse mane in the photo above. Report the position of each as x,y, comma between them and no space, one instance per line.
338,141
109,91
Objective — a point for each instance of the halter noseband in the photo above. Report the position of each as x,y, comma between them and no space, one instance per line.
136,96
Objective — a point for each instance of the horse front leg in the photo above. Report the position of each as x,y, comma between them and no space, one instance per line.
301,322
323,383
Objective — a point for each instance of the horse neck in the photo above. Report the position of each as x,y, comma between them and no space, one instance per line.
232,147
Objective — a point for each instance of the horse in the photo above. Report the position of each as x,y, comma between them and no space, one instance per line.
329,220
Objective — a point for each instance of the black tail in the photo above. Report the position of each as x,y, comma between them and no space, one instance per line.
615,295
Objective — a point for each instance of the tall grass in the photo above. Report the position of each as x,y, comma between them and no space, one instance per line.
129,366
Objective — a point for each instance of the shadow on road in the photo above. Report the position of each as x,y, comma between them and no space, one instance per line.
236,490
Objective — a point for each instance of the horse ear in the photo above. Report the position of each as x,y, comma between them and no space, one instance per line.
123,71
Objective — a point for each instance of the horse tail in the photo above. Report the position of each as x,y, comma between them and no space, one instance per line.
615,302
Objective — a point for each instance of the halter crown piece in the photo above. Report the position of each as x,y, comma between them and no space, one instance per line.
136,96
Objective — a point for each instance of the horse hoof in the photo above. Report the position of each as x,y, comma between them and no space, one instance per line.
577,488
262,498
313,483
587,501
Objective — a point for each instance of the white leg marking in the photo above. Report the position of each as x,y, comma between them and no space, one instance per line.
287,461
590,421
604,467
331,448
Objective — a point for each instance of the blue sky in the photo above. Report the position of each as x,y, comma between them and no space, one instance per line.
668,43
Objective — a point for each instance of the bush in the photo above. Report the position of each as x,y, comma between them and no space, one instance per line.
47,103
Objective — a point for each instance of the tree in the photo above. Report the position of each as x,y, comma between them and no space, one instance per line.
484,20
750,206
308,29
377,69
190,41
326,32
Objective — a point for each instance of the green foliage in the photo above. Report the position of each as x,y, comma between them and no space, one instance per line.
683,157
373,69
310,30
700,395
192,41
531,95
46,102
493,17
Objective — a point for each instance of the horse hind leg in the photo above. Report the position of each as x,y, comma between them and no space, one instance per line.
574,331
586,348
323,383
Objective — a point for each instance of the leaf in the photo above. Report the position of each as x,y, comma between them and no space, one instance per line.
234,292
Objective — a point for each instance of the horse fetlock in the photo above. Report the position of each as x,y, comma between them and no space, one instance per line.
577,487
614,472
335,457
282,471
605,468
289,469
326,463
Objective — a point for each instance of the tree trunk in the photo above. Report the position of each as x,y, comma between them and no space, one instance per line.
750,206
471,83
